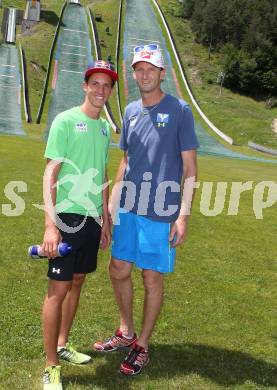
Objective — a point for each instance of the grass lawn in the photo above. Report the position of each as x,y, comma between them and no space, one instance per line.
217,328
238,116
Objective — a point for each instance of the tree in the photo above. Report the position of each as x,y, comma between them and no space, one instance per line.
231,65
247,37
247,77
188,8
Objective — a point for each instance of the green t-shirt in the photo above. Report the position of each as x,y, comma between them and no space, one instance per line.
82,144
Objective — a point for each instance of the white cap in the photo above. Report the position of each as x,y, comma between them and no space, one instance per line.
150,53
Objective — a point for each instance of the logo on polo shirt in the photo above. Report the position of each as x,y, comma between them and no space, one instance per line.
104,131
162,119
133,121
81,127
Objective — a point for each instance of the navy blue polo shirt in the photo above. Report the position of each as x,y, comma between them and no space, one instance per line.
154,138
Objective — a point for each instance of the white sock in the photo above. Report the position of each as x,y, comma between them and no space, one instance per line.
128,337
60,347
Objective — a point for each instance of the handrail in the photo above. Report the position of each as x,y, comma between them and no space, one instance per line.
262,148
26,104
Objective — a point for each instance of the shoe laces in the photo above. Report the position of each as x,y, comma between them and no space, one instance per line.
137,357
113,340
52,375
69,347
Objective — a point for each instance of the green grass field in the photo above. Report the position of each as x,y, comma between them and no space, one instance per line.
218,327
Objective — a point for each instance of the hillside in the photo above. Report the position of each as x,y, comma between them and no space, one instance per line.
239,116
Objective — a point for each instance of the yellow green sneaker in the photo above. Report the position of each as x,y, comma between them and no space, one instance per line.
52,378
71,355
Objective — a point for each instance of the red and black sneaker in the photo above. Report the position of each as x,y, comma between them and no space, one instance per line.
115,342
135,361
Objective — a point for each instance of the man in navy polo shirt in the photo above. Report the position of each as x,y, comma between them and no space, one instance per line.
159,144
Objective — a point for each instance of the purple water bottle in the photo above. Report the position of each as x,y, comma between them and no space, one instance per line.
36,252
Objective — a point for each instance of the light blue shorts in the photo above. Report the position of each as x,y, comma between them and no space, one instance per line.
144,242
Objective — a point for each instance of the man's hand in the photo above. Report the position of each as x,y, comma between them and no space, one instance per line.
178,231
51,240
106,236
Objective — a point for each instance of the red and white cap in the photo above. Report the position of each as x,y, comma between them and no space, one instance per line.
101,66
150,53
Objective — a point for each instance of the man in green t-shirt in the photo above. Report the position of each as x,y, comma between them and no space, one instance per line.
75,191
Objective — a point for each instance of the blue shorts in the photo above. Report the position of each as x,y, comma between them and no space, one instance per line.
144,242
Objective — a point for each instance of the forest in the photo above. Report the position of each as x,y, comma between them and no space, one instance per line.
245,32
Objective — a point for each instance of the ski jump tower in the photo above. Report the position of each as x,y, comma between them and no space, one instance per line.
32,12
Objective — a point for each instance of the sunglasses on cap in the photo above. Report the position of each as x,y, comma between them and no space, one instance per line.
103,65
150,47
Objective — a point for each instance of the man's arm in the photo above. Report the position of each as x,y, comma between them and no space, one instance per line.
52,236
106,230
179,227
116,191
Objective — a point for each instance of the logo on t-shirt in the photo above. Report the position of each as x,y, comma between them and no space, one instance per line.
104,131
162,119
82,127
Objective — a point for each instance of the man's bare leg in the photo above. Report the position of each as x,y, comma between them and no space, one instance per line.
153,300
120,275
51,315
69,307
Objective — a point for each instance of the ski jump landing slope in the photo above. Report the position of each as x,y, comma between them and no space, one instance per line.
10,95
72,57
